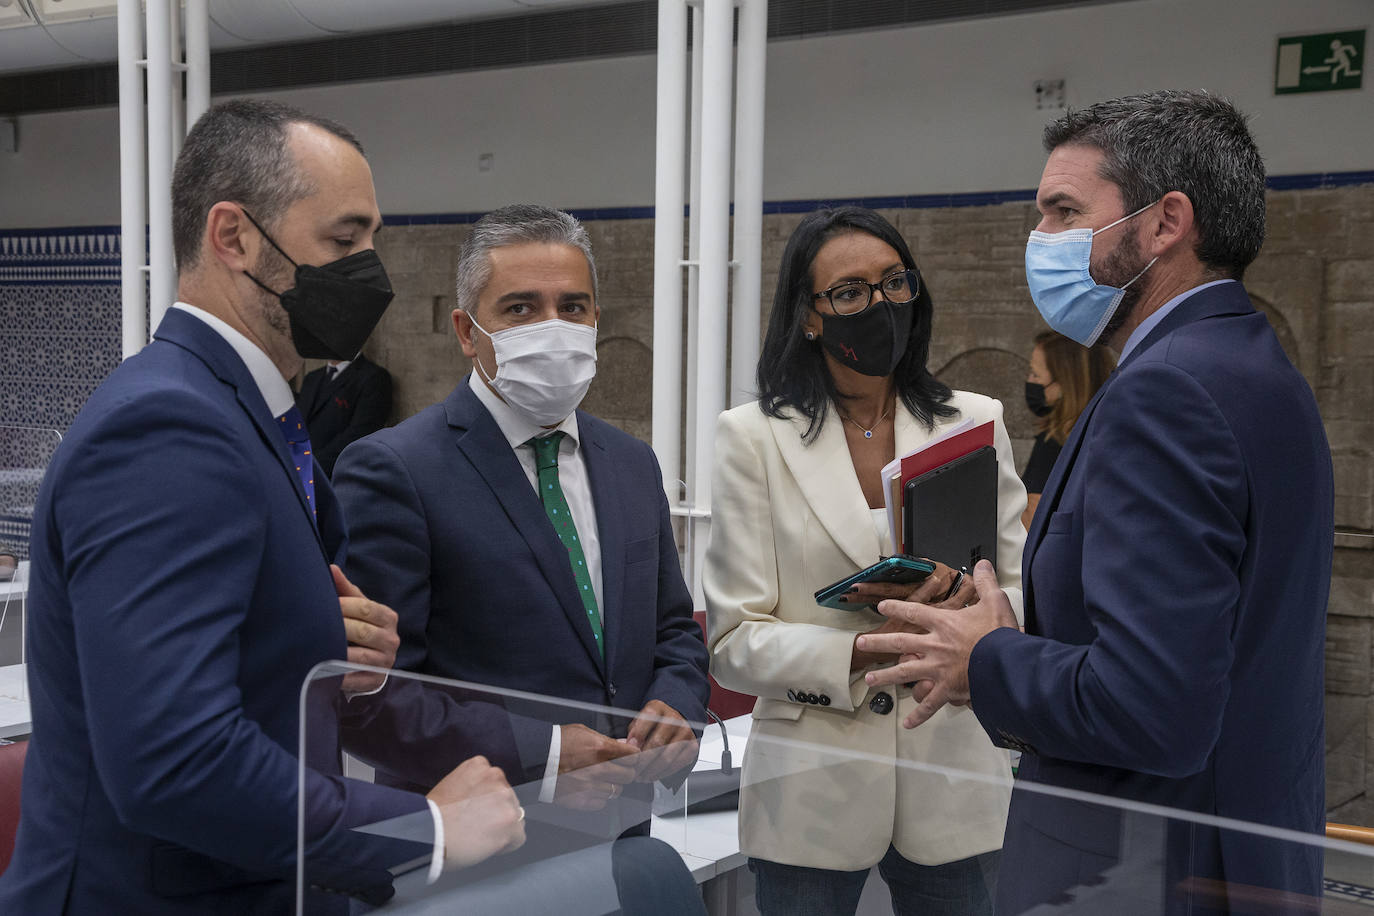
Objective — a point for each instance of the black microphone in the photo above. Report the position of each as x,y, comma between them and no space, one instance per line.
707,790
725,766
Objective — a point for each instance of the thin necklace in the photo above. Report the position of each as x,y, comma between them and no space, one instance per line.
868,433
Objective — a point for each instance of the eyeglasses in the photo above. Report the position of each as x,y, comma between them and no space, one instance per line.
852,298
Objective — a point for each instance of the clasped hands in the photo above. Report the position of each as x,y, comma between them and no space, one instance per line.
594,769
930,644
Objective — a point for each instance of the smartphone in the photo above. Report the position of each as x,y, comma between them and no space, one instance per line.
902,569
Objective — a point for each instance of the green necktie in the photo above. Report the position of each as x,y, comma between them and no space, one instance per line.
556,505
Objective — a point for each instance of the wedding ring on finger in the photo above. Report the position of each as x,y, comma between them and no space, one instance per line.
521,816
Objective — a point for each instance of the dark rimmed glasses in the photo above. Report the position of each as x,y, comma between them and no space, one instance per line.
853,297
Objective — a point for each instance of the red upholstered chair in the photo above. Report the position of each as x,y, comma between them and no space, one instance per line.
725,703
11,773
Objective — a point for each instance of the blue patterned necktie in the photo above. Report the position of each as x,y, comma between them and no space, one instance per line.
556,505
292,426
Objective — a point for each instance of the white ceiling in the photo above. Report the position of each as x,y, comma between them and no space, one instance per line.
48,34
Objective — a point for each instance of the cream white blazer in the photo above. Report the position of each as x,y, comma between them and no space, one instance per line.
787,519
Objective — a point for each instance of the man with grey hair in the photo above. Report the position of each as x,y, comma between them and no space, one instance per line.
1177,569
526,544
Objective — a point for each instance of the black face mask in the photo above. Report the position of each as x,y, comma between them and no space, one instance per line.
334,307
872,342
1035,400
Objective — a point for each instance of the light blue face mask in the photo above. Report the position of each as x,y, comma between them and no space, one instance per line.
1064,291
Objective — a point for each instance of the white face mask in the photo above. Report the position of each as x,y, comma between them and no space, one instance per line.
543,369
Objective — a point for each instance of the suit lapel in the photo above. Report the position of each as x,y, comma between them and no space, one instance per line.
824,473
196,336
480,440
610,528
1049,499
325,392
310,394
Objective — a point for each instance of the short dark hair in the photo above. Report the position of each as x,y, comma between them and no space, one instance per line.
792,374
237,151
1176,140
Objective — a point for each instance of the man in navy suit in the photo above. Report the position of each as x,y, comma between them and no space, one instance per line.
343,401
182,586
1176,573
524,543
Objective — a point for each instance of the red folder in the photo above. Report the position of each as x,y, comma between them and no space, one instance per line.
942,453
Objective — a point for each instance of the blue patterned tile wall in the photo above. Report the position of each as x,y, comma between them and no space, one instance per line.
59,338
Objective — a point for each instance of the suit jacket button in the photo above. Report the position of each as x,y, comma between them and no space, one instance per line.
881,704
801,696
812,699
825,700
792,695
610,689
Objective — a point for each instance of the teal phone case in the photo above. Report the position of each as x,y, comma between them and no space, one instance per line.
903,569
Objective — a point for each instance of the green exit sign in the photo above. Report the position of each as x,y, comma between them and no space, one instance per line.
1320,63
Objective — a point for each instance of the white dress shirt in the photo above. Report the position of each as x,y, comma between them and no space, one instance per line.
572,477
277,394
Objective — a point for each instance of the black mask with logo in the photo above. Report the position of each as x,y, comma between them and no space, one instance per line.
333,307
1035,400
872,342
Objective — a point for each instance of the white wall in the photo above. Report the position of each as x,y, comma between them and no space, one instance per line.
937,109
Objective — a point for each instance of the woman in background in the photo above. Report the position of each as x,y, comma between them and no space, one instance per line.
797,504
1064,376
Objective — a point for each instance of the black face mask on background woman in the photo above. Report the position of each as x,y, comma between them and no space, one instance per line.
872,342
1035,399
333,307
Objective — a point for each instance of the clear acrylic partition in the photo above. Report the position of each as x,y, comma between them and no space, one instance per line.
411,736
24,456
1123,855
1125,851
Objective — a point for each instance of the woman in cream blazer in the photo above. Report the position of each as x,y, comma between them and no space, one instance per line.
794,495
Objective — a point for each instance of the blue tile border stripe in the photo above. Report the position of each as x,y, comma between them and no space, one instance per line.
1299,182
75,256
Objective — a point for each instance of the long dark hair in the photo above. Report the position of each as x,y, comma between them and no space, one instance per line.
792,373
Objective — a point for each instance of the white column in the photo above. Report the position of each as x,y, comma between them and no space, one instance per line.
752,55
162,269
693,255
717,55
132,211
178,79
197,22
669,173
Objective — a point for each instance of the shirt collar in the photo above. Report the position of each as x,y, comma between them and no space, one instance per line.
516,428
1150,323
341,366
273,388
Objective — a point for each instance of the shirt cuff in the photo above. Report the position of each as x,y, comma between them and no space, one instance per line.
436,858
549,784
